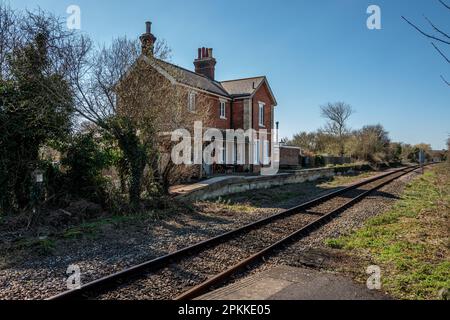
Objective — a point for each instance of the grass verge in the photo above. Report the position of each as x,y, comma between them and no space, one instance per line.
410,242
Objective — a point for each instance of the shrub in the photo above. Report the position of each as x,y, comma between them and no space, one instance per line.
319,161
84,159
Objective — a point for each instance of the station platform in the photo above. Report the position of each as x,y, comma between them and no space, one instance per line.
288,283
184,189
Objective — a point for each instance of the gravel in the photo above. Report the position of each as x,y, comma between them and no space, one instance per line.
311,251
30,275
180,277
123,247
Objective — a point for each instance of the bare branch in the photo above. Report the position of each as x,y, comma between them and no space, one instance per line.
436,28
443,79
424,33
444,4
440,52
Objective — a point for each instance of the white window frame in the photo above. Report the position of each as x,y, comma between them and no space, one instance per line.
192,101
261,113
223,110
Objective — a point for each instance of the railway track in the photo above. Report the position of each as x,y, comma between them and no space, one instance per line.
192,271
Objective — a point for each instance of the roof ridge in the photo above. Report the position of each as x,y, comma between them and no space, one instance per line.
217,84
190,71
185,69
243,79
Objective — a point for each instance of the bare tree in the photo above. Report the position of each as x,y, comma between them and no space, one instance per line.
437,35
154,107
371,143
337,115
307,141
135,98
318,142
8,36
96,76
117,88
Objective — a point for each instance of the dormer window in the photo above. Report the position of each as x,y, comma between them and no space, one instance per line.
261,114
191,102
223,110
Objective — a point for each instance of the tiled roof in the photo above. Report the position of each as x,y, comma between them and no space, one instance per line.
193,79
229,89
242,87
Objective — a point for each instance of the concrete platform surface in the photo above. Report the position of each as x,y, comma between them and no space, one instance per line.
188,188
288,283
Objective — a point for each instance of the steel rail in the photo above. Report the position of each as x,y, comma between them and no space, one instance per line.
96,287
204,287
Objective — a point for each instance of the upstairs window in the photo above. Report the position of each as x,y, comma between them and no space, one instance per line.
223,110
191,102
261,114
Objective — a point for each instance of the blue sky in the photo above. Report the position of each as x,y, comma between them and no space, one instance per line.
312,52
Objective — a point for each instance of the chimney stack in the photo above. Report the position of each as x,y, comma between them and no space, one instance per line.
148,40
205,64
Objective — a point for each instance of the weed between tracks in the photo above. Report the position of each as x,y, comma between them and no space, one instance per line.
343,180
410,242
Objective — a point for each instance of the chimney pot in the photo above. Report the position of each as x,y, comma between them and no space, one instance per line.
147,40
205,64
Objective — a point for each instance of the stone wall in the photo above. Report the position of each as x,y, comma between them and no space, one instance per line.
242,184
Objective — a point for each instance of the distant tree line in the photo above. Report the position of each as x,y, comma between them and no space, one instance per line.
370,143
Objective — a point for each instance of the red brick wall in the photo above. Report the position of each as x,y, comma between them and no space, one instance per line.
238,114
289,156
236,120
214,110
262,95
